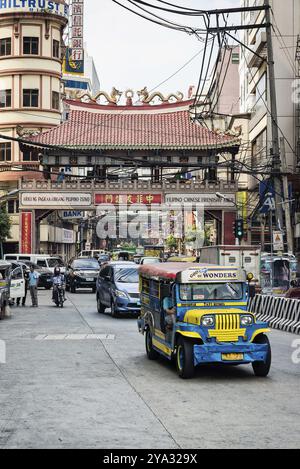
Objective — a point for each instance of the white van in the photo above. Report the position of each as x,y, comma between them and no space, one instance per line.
42,260
93,253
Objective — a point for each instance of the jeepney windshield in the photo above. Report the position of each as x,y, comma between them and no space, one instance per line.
211,291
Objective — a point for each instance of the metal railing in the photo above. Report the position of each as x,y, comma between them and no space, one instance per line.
164,186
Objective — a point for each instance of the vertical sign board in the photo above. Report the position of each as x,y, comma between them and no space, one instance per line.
77,46
26,233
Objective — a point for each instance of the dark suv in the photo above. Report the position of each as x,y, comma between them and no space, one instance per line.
82,273
118,288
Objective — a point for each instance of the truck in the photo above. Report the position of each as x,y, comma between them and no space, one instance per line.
154,251
245,257
273,273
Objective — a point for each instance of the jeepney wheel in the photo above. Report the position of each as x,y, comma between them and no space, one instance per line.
185,359
151,353
262,369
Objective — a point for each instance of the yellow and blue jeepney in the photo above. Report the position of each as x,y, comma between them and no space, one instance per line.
211,323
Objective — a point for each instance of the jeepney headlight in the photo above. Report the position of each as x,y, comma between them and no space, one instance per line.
208,321
246,321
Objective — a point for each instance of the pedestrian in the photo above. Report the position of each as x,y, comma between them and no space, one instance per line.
26,278
61,177
33,286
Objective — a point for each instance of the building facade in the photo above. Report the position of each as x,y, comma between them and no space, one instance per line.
31,51
254,86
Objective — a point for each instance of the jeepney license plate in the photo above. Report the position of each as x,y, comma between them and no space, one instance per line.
233,357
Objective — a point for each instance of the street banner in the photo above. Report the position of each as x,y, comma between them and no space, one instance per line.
26,233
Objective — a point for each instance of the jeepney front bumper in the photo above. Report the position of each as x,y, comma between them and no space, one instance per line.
216,353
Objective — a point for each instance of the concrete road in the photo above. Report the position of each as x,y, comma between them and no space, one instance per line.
77,379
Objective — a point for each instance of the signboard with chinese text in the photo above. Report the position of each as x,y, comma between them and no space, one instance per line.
26,233
128,199
74,59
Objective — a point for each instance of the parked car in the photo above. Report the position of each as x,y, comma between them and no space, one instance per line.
12,284
118,288
46,275
82,273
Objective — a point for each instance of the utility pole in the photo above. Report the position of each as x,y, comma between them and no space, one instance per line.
286,203
276,161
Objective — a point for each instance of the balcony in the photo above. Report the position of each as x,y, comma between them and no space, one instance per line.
260,48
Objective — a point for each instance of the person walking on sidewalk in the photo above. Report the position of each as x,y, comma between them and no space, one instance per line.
33,286
26,278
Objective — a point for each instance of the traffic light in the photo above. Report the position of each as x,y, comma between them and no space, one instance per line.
239,229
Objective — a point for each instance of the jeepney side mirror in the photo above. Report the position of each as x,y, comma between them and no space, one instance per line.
250,277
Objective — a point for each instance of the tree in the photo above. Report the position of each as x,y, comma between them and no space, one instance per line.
5,225
171,242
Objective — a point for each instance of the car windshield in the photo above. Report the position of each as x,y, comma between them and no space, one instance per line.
86,264
55,262
206,292
128,275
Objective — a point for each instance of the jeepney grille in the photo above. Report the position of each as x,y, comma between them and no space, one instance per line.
227,329
227,322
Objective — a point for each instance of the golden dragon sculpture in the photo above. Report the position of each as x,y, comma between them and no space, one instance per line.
147,98
113,98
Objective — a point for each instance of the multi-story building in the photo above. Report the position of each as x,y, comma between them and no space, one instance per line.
254,87
30,88
77,84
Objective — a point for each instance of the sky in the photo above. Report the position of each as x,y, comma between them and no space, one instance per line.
130,52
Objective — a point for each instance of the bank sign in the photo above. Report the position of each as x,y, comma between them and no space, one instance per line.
34,6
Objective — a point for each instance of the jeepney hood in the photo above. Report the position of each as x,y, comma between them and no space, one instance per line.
194,316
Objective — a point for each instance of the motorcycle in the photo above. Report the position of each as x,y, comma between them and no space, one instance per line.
59,295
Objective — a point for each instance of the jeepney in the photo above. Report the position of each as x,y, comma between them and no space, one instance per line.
12,285
212,323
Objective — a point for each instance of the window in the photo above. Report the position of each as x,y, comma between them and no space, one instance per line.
259,149
11,207
55,51
5,151
31,45
5,98
235,58
5,46
261,94
30,98
17,274
30,156
55,100
207,292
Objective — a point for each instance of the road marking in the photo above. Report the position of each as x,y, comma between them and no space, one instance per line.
71,337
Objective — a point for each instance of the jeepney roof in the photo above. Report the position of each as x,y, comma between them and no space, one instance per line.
191,272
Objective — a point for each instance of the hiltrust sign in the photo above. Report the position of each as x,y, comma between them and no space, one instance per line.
11,6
